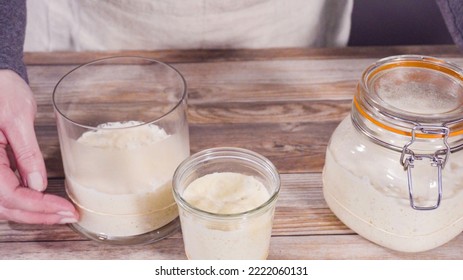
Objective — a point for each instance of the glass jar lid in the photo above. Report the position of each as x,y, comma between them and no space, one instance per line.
421,89
399,93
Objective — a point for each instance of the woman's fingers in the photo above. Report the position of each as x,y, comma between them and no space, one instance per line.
21,216
21,204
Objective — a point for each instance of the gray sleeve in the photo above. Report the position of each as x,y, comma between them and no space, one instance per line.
12,32
452,11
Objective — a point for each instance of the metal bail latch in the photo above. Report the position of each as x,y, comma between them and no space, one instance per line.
438,159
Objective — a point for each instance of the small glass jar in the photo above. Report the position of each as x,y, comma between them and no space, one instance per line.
394,170
238,235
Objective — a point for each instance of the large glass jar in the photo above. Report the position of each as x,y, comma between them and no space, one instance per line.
394,169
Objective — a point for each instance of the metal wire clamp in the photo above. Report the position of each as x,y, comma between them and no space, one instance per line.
438,159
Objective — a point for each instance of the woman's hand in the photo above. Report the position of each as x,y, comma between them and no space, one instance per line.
21,197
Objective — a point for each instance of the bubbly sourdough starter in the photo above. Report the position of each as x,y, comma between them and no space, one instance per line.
240,238
120,179
358,188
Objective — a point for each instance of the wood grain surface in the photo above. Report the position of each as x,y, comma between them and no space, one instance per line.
281,103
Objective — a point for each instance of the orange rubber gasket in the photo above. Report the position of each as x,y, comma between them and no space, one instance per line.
420,64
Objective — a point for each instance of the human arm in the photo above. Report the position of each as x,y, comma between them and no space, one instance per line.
452,11
21,199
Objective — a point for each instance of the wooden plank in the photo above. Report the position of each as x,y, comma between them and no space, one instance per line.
324,247
241,113
246,81
170,56
292,147
353,247
300,210
243,81
282,80
170,248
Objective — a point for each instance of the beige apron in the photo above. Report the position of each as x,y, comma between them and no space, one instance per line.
185,24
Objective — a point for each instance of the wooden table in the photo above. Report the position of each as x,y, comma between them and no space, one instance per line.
281,103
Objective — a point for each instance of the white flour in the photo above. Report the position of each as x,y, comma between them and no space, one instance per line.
120,179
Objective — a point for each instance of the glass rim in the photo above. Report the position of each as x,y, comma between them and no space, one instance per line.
226,152
393,63
391,119
95,61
